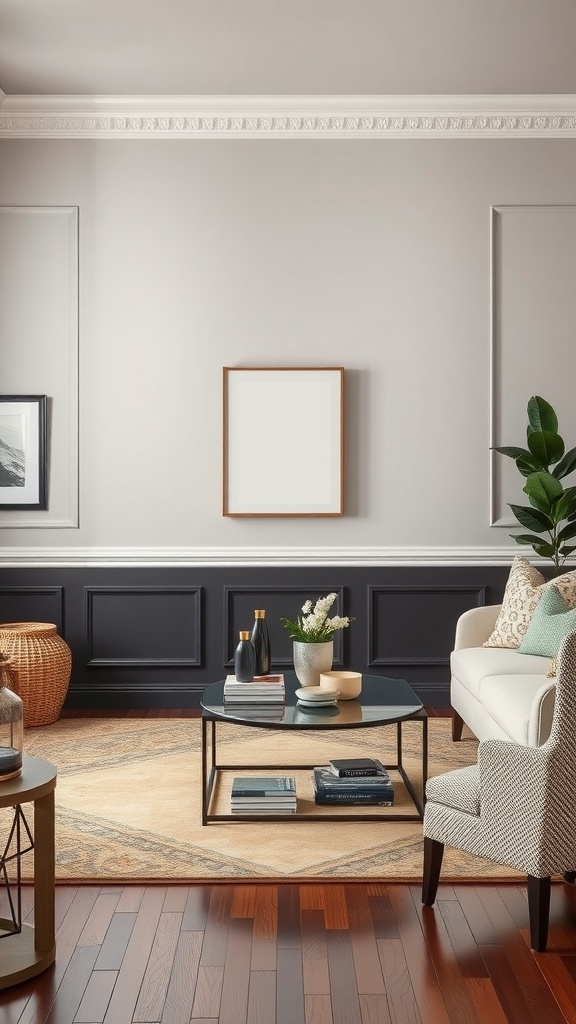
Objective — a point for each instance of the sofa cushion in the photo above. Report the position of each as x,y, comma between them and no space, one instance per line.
523,591
471,665
550,622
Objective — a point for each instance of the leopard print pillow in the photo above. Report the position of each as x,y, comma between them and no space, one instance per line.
523,591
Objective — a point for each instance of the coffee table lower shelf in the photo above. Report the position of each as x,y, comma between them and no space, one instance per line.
211,771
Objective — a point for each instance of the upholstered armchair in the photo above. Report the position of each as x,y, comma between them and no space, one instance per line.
516,806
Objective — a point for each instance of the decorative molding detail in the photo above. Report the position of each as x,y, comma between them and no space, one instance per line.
289,117
193,629
69,557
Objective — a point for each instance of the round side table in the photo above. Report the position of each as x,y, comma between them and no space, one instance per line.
27,953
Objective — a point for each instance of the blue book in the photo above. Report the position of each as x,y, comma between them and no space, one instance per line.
276,786
328,784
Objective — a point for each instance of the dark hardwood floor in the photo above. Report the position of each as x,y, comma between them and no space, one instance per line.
299,954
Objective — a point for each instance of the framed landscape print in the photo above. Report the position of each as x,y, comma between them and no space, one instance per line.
283,441
23,452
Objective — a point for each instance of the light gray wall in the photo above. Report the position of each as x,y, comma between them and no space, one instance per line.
374,255
294,46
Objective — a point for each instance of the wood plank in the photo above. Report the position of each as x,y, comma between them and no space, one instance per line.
335,908
423,977
401,997
466,951
94,931
367,966
345,998
197,908
262,997
96,997
244,901
236,982
152,994
115,942
559,973
485,1000
454,991
506,986
265,929
217,927
72,986
135,960
176,899
289,988
385,926
318,1009
183,982
316,979
208,992
289,932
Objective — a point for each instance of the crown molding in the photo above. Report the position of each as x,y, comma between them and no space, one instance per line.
171,557
507,116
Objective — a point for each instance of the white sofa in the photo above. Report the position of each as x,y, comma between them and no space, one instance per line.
495,691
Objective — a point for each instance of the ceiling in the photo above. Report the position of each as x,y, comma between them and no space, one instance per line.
212,47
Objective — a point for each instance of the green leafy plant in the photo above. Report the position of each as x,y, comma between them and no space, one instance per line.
314,626
551,515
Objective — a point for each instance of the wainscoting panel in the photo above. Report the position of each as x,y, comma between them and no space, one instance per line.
33,604
156,636
415,625
143,627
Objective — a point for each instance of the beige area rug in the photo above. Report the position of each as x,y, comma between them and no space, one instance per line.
128,805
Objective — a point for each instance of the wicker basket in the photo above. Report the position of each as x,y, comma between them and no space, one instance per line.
40,669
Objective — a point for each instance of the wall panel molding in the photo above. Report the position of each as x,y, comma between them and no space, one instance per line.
289,117
160,626
190,557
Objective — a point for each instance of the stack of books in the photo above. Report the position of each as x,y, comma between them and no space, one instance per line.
261,690
353,781
264,795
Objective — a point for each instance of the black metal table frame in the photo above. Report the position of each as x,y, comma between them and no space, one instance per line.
211,770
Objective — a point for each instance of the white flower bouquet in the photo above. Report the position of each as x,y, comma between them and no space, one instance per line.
313,626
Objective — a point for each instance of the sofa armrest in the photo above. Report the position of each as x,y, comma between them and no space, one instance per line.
475,626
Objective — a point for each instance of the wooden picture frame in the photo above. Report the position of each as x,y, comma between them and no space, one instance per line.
23,452
283,441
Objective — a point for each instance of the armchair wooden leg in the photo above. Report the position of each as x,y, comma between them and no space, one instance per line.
457,725
433,853
539,911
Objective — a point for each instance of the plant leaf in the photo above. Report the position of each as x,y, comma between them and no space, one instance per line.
526,467
514,453
543,489
526,538
565,506
566,465
546,446
545,550
541,415
567,550
531,518
568,532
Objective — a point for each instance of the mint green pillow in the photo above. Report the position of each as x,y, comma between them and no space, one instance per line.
551,621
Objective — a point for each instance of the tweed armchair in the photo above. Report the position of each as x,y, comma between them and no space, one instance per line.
516,806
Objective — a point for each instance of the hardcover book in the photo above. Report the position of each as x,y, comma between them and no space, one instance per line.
276,786
350,767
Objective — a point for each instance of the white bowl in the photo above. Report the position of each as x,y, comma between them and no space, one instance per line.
349,683
317,693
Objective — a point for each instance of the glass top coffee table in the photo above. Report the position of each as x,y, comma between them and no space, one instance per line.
383,701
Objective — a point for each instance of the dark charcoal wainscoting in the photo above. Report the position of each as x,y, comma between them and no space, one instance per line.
155,637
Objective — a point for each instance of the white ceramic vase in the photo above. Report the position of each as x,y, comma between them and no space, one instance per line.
312,659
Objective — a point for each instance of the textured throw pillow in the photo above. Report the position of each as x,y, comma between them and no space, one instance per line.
553,668
523,591
550,623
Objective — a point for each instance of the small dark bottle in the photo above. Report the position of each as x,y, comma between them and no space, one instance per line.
261,643
244,658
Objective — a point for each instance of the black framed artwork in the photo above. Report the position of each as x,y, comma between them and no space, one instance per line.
23,452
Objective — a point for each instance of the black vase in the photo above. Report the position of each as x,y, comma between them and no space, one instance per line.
244,658
261,643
